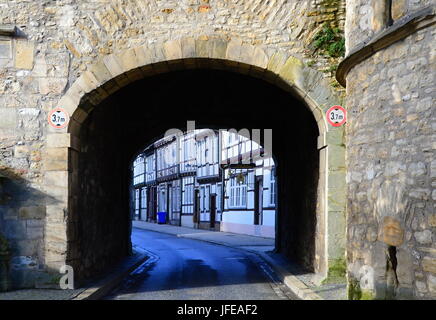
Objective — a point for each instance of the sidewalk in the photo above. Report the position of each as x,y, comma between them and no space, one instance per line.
94,290
303,284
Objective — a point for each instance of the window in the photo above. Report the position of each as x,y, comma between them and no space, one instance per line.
136,203
272,189
138,170
238,193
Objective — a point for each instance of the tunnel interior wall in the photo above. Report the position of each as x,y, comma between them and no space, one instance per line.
298,174
99,216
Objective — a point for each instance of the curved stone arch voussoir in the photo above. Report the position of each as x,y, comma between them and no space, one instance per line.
114,71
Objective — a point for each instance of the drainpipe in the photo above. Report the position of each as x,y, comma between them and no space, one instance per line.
4,264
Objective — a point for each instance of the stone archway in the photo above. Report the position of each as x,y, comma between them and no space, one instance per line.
115,71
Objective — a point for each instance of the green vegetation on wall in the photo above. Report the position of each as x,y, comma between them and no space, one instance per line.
330,41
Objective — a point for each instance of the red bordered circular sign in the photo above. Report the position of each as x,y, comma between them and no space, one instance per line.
336,116
58,118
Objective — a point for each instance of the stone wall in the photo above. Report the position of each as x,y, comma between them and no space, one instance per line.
391,169
57,41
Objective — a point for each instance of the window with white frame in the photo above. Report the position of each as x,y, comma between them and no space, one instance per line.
138,170
238,192
188,193
272,194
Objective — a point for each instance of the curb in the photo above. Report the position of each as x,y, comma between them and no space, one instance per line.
102,287
298,287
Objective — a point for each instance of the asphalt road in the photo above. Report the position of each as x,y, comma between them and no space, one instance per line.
186,269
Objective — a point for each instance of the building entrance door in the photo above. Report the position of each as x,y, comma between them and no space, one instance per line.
212,210
196,216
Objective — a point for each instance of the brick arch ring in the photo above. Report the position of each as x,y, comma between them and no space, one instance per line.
114,71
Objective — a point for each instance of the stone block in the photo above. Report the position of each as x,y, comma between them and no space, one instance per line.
423,237
8,118
56,178
55,214
336,179
15,229
432,220
392,233
399,9
431,283
33,212
35,233
380,15
276,62
202,48
113,64
25,247
55,165
52,85
87,82
292,70
5,49
260,58
21,151
219,49
143,55
246,53
188,48
429,264
56,232
336,156
101,72
58,140
128,60
56,153
233,51
173,50
24,52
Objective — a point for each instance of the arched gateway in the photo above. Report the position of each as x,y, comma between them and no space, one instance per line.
115,71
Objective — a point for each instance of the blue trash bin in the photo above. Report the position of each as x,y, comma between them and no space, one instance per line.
161,217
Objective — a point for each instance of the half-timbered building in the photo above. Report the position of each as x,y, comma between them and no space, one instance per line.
188,171
207,207
249,186
207,179
167,177
139,188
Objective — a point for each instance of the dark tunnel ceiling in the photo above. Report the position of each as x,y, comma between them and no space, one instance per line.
145,109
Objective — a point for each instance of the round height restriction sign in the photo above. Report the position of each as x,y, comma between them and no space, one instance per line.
58,118
336,116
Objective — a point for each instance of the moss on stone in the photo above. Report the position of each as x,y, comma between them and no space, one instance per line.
336,272
356,293
337,268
